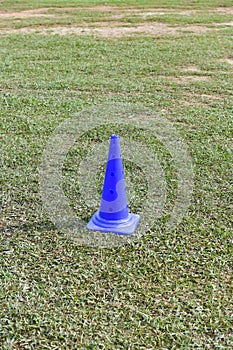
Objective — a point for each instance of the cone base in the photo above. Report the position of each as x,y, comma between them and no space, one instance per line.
121,227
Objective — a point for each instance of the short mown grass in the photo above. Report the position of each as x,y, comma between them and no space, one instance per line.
168,290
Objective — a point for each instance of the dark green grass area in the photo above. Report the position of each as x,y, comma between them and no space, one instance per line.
168,290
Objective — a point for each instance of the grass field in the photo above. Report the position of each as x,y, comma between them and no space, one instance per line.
170,289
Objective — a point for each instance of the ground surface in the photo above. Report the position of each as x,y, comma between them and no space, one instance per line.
169,290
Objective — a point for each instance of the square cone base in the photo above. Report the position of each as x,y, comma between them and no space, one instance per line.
121,227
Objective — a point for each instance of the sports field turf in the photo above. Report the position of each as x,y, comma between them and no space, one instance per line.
170,289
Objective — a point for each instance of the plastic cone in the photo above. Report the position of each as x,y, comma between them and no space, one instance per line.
113,215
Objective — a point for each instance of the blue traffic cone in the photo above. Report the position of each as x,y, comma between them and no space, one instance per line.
113,215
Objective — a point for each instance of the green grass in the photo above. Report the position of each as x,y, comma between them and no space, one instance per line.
26,4
168,290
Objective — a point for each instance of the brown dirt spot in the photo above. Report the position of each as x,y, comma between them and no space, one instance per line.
225,10
148,29
104,8
26,14
195,29
161,12
209,96
186,12
114,27
202,96
116,11
228,24
199,99
100,8
110,29
190,99
111,8
191,69
187,78
191,103
227,60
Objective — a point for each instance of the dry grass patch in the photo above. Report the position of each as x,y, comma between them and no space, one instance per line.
225,10
190,99
209,96
227,60
114,24
192,78
188,78
228,24
26,14
110,29
191,69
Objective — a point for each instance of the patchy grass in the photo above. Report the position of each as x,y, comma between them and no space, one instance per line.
107,15
26,4
169,289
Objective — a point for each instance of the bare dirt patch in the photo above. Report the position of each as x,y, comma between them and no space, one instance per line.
161,12
191,69
200,99
26,14
109,8
194,29
209,96
191,103
227,60
188,78
104,29
104,8
228,24
225,10
111,29
148,29
185,78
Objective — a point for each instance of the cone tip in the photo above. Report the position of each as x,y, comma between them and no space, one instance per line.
115,136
